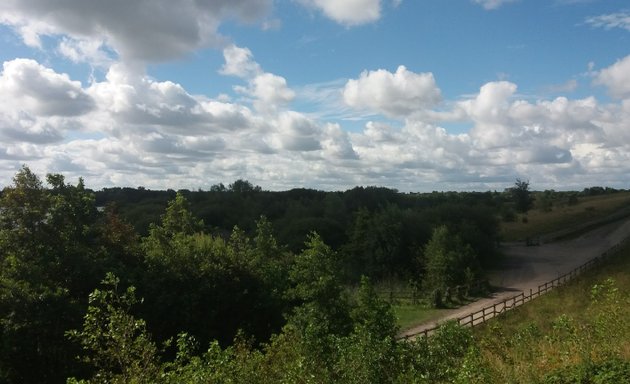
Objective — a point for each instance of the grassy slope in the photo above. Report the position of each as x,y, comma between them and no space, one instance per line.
561,217
564,328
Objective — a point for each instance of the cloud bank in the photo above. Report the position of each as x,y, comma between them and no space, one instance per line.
129,129
133,130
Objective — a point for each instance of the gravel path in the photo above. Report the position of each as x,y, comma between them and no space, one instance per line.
526,268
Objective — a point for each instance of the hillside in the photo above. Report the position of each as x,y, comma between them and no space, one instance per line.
574,333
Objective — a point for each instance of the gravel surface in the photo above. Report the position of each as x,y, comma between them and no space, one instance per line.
526,268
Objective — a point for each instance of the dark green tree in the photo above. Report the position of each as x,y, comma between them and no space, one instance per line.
53,252
114,342
521,196
375,244
449,262
209,287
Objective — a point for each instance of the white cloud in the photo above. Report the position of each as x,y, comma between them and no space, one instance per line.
489,106
610,21
239,62
296,132
91,51
395,94
136,130
146,30
269,91
348,12
38,105
504,123
28,86
492,4
136,99
616,78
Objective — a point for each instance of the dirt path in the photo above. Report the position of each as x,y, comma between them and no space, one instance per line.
526,268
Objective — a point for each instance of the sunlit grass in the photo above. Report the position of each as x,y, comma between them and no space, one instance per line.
409,315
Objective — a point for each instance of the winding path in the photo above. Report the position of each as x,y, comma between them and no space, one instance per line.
525,268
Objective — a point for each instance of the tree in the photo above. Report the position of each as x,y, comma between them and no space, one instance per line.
521,196
449,262
116,344
53,252
375,244
209,287
243,186
322,312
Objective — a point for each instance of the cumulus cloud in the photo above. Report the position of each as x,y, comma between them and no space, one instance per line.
348,12
492,4
38,105
141,101
145,30
616,78
269,91
239,62
130,129
611,20
492,99
395,94
503,122
28,86
296,132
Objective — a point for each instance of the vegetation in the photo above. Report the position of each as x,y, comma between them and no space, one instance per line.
521,195
565,214
220,298
575,334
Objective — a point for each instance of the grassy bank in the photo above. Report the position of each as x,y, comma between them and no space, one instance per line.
564,216
566,335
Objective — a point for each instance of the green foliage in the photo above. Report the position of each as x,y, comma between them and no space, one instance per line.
448,262
322,311
544,201
194,281
615,371
372,313
374,246
243,186
117,344
439,358
521,196
261,313
575,334
54,249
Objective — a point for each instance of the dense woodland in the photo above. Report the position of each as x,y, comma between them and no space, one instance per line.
235,284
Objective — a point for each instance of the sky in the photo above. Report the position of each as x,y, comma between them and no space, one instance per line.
416,95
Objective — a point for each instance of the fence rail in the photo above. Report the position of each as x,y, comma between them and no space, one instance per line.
491,311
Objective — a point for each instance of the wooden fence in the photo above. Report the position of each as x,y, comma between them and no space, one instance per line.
496,309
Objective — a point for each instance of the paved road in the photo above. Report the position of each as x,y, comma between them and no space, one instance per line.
526,268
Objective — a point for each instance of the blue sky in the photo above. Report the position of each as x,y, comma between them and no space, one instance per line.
326,94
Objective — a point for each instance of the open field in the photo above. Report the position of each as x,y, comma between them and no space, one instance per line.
588,209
